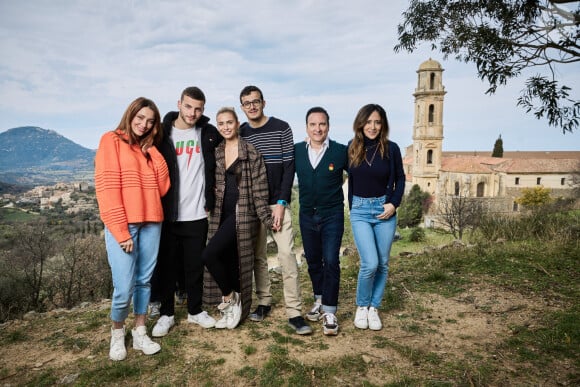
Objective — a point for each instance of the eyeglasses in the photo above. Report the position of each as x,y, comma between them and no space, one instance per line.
256,103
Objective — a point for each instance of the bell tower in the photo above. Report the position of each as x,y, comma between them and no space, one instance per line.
428,126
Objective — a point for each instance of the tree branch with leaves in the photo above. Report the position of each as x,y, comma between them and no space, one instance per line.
503,38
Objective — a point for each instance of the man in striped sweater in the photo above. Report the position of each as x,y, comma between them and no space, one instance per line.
273,139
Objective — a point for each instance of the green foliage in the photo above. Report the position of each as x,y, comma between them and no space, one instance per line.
502,39
498,148
539,225
535,197
417,234
410,212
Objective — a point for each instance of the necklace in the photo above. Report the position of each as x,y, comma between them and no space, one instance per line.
373,157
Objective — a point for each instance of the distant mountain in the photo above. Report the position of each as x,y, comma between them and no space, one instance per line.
33,156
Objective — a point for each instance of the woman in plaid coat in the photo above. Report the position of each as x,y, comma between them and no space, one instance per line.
241,203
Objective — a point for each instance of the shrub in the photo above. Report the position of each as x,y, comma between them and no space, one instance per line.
417,234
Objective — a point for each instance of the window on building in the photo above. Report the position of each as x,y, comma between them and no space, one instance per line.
480,189
430,156
456,188
431,113
517,181
515,206
539,181
432,81
563,181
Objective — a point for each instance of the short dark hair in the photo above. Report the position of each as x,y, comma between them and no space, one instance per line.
318,109
248,90
193,92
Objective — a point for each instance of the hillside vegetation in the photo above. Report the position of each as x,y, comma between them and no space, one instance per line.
502,310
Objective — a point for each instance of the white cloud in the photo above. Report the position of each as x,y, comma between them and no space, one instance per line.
75,66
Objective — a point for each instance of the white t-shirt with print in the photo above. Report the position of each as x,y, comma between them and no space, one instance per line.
190,162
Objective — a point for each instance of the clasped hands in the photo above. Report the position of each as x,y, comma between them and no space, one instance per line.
278,217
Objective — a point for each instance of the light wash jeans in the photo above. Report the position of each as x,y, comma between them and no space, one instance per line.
373,238
132,271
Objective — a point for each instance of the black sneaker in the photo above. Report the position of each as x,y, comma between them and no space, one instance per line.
260,313
300,325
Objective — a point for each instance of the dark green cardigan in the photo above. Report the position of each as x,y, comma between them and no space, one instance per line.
320,189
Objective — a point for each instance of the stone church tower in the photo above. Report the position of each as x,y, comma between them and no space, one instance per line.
428,126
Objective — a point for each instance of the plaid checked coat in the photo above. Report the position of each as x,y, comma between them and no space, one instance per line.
251,208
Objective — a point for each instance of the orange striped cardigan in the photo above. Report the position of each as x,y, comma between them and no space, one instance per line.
129,187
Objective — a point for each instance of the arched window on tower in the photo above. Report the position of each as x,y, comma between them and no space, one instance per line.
432,81
456,188
431,113
480,189
430,156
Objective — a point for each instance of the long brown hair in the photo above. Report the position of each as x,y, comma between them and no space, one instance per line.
356,150
153,137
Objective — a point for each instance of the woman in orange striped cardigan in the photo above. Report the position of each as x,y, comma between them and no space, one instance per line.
131,176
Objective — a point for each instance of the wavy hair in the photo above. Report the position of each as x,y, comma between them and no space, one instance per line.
152,137
356,150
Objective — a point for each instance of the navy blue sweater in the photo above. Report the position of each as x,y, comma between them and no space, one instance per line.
385,176
275,143
320,188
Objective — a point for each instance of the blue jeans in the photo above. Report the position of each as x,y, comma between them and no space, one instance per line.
321,238
132,271
373,238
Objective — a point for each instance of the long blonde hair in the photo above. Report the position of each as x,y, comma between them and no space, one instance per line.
356,150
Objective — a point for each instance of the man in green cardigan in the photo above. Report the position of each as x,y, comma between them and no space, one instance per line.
321,165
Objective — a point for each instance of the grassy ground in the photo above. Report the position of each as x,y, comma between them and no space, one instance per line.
491,314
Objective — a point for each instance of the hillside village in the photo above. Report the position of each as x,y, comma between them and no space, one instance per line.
72,198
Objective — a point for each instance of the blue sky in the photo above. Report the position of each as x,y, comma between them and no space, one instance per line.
74,66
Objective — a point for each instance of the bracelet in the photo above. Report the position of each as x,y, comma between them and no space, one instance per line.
282,203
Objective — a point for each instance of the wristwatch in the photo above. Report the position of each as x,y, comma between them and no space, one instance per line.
282,203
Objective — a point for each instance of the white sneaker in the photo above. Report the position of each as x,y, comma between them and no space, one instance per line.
316,312
163,326
329,324
117,351
236,310
361,320
142,342
231,312
202,319
374,319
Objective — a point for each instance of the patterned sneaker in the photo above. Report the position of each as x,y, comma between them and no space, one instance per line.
316,312
361,319
202,319
154,309
163,326
142,342
117,351
260,313
329,324
374,319
299,325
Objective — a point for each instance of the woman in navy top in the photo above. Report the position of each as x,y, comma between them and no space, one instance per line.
376,185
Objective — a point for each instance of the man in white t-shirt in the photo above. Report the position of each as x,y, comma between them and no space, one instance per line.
188,145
